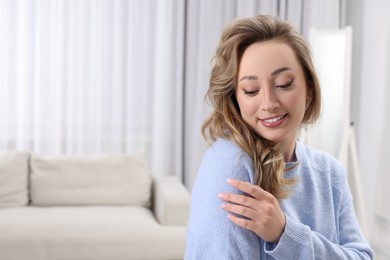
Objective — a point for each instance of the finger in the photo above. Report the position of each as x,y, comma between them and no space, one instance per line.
239,199
242,222
240,210
269,234
251,189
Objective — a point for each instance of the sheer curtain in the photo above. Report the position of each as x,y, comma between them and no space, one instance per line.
114,76
105,76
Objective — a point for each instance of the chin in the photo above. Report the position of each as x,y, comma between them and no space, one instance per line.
273,138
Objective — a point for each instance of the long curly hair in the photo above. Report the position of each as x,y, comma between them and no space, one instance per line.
225,120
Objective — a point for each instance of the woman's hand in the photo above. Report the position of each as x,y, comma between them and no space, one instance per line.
265,217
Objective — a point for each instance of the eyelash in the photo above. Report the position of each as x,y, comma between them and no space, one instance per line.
250,93
285,85
254,92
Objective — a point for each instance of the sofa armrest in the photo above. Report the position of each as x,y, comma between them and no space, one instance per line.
171,201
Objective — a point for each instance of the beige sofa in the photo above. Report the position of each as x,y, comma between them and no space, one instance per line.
89,207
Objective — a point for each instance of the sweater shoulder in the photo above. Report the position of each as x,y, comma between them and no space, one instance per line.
226,149
323,164
223,160
228,153
315,154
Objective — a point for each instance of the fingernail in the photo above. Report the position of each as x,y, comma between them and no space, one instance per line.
220,195
229,181
223,206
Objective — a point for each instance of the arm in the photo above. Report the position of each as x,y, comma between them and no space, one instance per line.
298,241
309,244
261,210
210,234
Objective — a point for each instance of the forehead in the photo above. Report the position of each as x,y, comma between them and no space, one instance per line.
265,57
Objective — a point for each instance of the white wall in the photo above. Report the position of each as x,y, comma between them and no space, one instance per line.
370,111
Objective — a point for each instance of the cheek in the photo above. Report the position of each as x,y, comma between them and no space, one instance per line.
247,107
298,103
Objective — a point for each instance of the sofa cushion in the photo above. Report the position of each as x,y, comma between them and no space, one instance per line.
87,233
90,180
14,179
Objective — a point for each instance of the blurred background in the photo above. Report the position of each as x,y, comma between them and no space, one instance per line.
115,76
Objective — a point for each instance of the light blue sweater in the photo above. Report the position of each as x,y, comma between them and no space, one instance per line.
320,219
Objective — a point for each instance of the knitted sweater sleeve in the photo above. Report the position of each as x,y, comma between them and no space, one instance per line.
300,242
210,235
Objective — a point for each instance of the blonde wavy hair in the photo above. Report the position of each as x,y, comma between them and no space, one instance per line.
225,120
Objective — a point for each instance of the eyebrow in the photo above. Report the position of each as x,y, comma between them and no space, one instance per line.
280,70
274,73
249,77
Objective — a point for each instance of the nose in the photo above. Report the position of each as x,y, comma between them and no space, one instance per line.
269,100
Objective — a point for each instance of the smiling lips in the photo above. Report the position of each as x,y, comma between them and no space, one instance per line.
273,121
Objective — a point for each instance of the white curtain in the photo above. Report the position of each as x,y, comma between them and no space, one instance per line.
93,76
371,94
114,76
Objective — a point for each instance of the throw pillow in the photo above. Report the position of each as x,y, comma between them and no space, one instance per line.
14,178
90,180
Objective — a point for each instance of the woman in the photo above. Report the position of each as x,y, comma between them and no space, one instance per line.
259,192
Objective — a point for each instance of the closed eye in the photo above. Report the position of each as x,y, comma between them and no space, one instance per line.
285,85
251,93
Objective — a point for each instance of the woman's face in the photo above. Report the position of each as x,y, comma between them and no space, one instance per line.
271,92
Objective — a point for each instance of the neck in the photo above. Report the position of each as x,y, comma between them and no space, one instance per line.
289,151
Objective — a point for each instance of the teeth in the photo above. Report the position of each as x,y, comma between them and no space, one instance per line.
273,119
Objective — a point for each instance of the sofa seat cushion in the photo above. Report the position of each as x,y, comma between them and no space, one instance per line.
14,178
90,180
95,232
